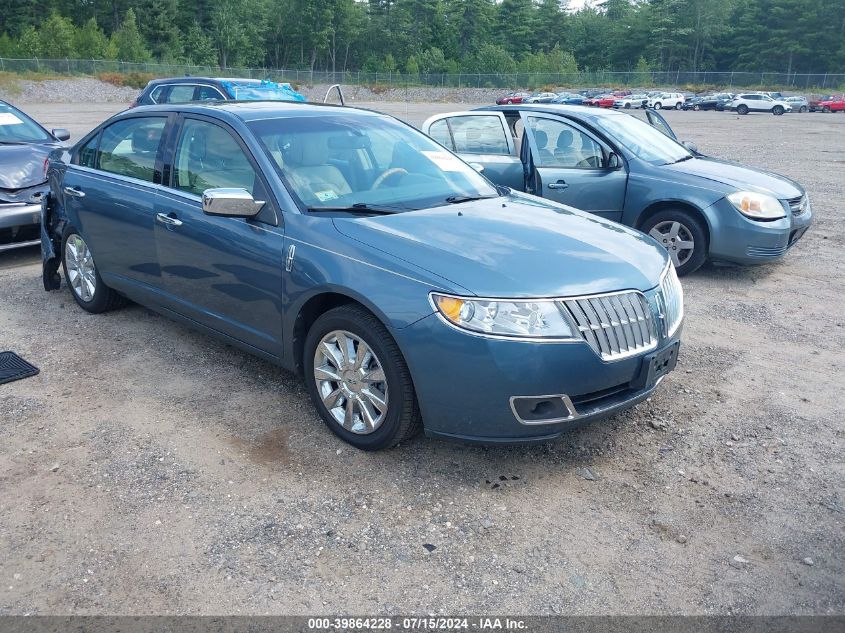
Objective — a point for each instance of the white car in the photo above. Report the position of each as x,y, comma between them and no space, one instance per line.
667,100
541,97
756,102
631,101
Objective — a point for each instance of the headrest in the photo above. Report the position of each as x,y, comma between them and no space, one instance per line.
542,138
349,141
145,139
303,151
564,139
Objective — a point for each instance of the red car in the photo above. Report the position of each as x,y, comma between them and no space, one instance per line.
512,97
603,101
833,103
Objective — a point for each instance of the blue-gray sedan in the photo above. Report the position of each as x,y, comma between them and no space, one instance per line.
345,245
624,169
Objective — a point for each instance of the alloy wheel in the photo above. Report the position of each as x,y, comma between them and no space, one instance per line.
675,238
351,382
82,275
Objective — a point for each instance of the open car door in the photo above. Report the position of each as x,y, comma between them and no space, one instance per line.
482,139
567,163
656,119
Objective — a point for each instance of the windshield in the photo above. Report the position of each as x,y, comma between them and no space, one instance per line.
644,141
336,161
16,127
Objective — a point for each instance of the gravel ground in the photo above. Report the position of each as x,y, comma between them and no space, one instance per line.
90,90
150,469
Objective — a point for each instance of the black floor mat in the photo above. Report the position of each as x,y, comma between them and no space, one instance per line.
13,367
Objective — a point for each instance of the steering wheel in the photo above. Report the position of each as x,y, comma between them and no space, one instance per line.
387,173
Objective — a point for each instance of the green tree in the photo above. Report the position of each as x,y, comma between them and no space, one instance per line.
128,42
199,47
90,42
57,36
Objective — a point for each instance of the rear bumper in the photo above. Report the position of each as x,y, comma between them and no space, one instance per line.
736,239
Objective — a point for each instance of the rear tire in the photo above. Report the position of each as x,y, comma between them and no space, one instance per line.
742,109
374,398
82,277
674,229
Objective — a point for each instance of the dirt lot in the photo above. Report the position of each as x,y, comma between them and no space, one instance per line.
149,469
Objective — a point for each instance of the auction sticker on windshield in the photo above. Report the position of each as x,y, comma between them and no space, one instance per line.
444,160
7,118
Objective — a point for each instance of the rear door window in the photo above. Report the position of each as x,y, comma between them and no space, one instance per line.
180,93
208,93
129,147
481,134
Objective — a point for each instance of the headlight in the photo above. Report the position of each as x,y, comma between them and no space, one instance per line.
509,318
757,206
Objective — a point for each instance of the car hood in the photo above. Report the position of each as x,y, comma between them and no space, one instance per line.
22,166
516,246
739,176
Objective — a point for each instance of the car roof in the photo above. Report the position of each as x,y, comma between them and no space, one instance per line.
209,80
255,110
582,112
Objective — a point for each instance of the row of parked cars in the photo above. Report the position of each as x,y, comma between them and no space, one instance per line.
501,275
741,103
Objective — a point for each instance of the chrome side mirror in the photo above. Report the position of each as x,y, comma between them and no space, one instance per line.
60,133
477,167
236,203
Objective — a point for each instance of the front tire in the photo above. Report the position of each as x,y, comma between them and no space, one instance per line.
696,107
778,110
683,235
678,106
87,287
359,381
803,109
742,109
658,105
826,109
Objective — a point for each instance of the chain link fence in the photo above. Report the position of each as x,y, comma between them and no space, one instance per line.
822,81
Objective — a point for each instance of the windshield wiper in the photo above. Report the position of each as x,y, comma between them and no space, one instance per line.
680,160
14,142
460,199
358,207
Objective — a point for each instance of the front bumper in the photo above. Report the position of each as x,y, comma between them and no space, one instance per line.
737,239
18,225
465,383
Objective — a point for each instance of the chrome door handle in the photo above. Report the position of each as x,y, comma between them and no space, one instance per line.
76,193
166,219
557,185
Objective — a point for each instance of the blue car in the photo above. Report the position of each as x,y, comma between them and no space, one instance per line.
345,245
634,172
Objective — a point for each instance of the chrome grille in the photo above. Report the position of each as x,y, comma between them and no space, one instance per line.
672,297
615,325
797,205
